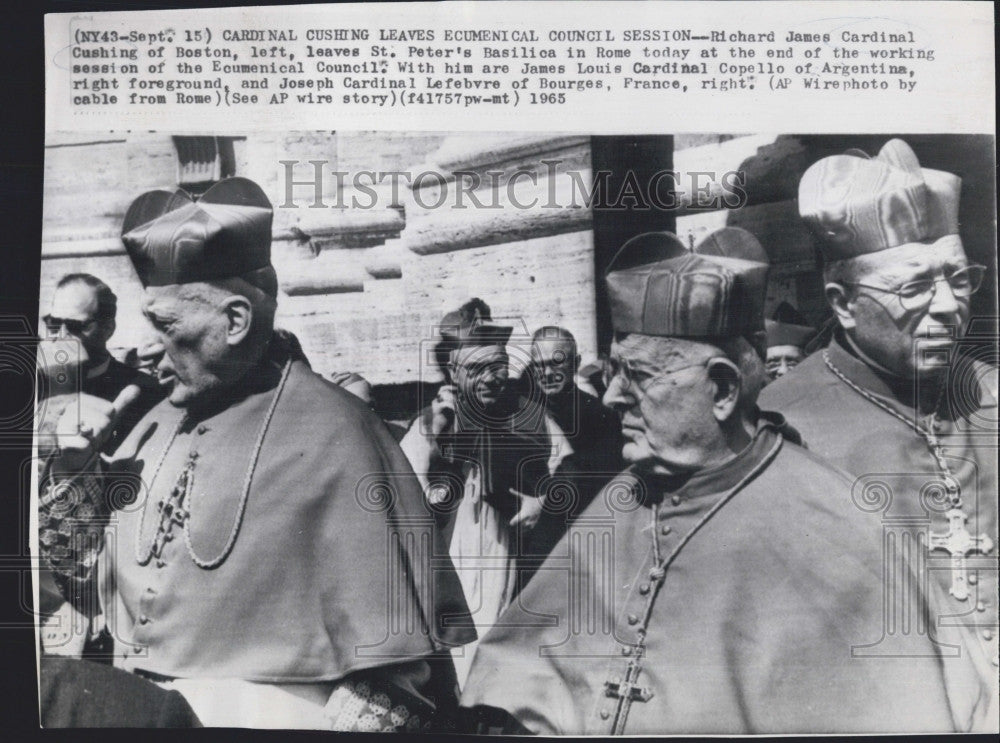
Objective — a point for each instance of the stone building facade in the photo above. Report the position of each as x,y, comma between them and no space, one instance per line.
367,271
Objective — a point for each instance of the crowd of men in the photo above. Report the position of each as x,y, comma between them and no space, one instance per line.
724,532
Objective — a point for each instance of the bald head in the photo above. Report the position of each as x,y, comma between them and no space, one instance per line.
554,359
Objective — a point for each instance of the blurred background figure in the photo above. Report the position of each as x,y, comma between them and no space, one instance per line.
453,327
84,307
592,431
788,334
590,376
481,450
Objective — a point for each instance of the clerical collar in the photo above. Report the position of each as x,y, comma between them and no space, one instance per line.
867,374
852,347
261,378
715,479
565,406
509,412
99,369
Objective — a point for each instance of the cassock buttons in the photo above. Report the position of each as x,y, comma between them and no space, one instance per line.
665,529
143,619
981,606
633,619
605,714
675,499
202,429
987,635
627,650
644,589
973,579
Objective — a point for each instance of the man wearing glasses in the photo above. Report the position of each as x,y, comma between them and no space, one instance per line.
896,398
718,584
787,338
482,454
84,308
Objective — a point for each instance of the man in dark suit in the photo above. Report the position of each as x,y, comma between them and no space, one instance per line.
80,694
593,433
85,308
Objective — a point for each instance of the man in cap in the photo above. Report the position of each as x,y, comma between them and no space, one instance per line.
718,584
257,519
483,454
787,336
893,399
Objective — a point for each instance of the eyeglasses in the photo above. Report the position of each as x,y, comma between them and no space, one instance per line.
778,366
54,325
477,368
916,294
619,369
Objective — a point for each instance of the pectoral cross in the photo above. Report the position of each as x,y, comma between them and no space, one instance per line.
958,543
626,690
172,513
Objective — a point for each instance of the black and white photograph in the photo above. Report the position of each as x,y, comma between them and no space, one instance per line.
519,433
504,369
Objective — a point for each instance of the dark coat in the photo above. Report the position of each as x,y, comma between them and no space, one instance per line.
81,694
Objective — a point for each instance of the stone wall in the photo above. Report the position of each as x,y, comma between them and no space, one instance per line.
362,288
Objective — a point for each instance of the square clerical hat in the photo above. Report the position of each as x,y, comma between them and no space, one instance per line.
173,239
856,204
657,287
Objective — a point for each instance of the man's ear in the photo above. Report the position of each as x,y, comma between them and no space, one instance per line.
728,384
840,302
239,317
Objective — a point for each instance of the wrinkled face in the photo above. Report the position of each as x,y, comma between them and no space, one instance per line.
662,390
480,373
554,363
782,358
77,303
910,342
191,334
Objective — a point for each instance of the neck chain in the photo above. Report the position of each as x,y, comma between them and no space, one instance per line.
178,507
929,434
626,688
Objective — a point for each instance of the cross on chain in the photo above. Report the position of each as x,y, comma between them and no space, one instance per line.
172,513
626,690
958,543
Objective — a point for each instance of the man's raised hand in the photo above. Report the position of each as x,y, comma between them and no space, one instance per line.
85,425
